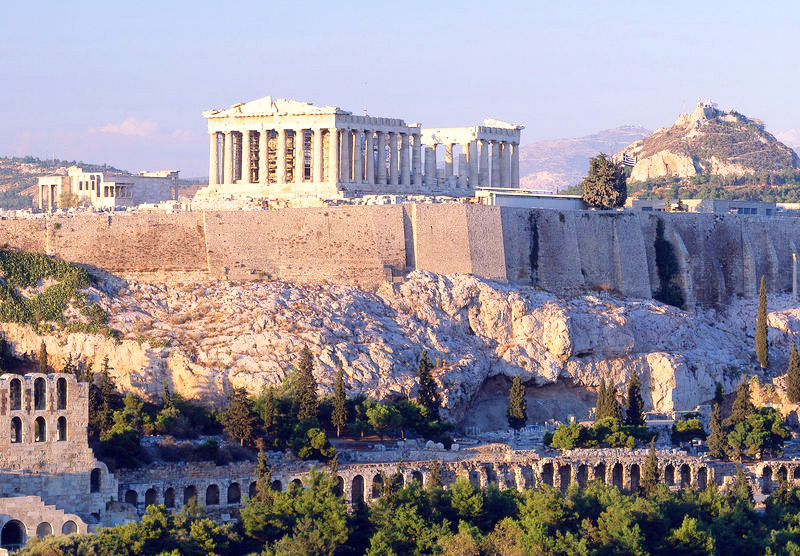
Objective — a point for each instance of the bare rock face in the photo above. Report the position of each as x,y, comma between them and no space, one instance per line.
223,335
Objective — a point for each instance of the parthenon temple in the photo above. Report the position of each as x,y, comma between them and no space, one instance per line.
285,149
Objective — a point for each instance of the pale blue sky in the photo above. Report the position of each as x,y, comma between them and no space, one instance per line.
125,83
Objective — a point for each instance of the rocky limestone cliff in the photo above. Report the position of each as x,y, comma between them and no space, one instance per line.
249,334
709,141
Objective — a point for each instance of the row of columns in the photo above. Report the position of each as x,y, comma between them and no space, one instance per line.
474,169
352,156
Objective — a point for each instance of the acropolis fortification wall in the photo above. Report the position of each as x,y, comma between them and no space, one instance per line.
560,251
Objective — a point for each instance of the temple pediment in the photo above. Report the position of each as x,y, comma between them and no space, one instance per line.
268,106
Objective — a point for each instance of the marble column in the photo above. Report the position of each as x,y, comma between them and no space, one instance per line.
495,164
416,161
245,156
333,156
316,167
358,156
514,164
213,161
299,156
461,181
393,166
227,162
381,158
280,155
369,153
504,162
263,156
347,155
448,160
405,161
430,166
41,197
483,168
472,162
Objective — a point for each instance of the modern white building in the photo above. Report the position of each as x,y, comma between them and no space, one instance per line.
285,149
520,198
104,189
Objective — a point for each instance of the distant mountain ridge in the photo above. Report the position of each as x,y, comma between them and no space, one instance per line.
556,164
709,142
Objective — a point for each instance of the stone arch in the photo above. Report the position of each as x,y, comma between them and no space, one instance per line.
547,473
564,476
377,485
44,529
15,395
94,480
686,476
69,527
234,493
796,472
39,394
635,476
252,490
39,430
16,430
61,393
702,478
61,429
297,482
766,479
582,476
600,472
276,485
339,488
188,493
491,474
475,478
528,477
669,475
212,495
357,492
616,475
783,473
417,476
169,497
150,496
131,497
12,535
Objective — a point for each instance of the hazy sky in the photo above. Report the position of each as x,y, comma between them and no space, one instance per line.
125,82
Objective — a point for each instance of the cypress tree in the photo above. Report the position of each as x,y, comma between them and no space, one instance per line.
428,393
634,413
306,387
263,477
240,420
613,407
742,406
517,412
717,441
600,409
793,376
650,472
762,351
43,366
339,415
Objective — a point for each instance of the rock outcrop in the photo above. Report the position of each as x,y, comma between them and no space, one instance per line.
226,334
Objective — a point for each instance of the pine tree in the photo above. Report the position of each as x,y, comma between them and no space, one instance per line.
339,415
742,406
602,396
435,477
634,413
741,492
43,365
793,376
428,393
762,351
605,184
306,387
650,472
717,441
240,419
517,412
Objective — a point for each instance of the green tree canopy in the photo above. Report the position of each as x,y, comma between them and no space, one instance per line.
428,395
634,413
306,387
604,186
517,412
240,419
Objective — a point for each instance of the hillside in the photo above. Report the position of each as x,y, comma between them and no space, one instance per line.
555,164
709,142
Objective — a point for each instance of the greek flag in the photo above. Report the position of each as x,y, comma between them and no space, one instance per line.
628,160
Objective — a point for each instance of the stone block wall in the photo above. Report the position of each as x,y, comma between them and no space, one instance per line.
37,519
